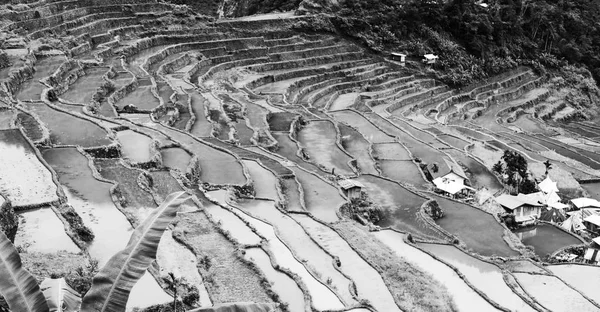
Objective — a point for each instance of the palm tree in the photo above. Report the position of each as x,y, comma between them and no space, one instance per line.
173,284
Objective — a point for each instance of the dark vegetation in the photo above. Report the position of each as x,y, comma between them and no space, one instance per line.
9,222
363,208
76,223
513,169
475,42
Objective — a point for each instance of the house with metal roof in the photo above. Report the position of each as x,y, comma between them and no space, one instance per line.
592,224
582,203
351,188
526,207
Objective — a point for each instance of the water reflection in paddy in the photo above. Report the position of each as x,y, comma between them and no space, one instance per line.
40,230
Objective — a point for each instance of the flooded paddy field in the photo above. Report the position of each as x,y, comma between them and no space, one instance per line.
31,90
201,126
402,204
176,158
302,246
546,238
369,283
67,129
319,139
265,182
135,146
482,275
284,285
33,130
404,171
82,90
464,296
91,199
363,125
479,175
553,294
17,156
142,98
357,146
472,233
573,274
40,230
321,199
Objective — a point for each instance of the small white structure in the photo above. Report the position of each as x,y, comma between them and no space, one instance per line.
451,183
351,188
582,203
592,254
430,58
399,57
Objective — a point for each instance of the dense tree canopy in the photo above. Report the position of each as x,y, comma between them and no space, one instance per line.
477,40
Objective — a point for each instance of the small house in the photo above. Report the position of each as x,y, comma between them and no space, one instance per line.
453,182
592,223
583,203
592,254
526,208
351,188
429,59
398,57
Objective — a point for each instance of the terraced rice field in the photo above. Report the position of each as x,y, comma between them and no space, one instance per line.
17,156
259,123
546,239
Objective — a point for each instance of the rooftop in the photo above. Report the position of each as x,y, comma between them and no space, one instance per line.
585,202
348,184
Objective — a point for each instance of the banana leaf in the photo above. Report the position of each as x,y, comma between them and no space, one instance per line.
112,285
60,296
18,287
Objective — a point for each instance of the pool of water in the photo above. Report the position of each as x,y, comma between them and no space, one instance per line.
217,167
303,247
40,230
289,149
369,284
135,146
402,204
454,141
319,139
320,198
92,201
283,285
546,238
265,182
355,144
175,158
476,228
484,276
404,171
392,151
553,294
368,130
583,278
465,298
201,127
17,156
66,129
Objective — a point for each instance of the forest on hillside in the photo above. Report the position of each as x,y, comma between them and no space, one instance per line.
476,40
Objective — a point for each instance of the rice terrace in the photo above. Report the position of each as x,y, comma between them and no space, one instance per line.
300,156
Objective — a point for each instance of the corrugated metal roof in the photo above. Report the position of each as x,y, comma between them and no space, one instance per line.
593,219
585,202
347,184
